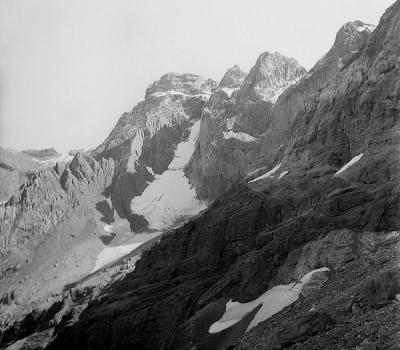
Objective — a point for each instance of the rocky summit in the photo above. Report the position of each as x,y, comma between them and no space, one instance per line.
260,212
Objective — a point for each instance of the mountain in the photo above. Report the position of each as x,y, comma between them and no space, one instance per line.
265,211
300,216
142,143
249,129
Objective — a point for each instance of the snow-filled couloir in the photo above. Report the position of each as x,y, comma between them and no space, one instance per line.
170,197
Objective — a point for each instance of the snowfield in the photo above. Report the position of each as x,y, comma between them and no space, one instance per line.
349,164
273,301
170,196
50,161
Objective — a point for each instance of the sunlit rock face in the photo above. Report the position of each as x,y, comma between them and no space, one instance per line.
233,120
262,105
143,141
272,74
349,40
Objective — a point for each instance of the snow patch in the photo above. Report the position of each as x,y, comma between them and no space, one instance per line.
368,27
349,164
272,301
170,195
229,91
268,174
230,122
283,173
241,136
108,228
123,243
53,160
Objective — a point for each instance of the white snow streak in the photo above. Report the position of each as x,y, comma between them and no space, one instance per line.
283,173
241,136
349,164
273,301
268,174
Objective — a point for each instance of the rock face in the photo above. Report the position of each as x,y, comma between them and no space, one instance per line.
349,40
259,233
272,74
233,120
143,141
252,110
48,197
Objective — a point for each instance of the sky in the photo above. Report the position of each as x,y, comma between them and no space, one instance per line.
70,68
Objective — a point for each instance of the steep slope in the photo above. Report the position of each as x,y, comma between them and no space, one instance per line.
233,120
349,40
46,228
331,200
274,91
15,165
142,143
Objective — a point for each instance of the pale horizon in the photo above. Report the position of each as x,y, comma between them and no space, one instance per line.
69,69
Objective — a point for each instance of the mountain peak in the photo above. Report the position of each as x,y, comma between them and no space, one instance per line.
233,77
270,76
185,83
349,40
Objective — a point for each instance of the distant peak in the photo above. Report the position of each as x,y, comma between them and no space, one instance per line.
270,76
233,77
41,153
351,31
185,83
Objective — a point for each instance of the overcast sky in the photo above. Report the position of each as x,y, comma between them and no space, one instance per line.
70,68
